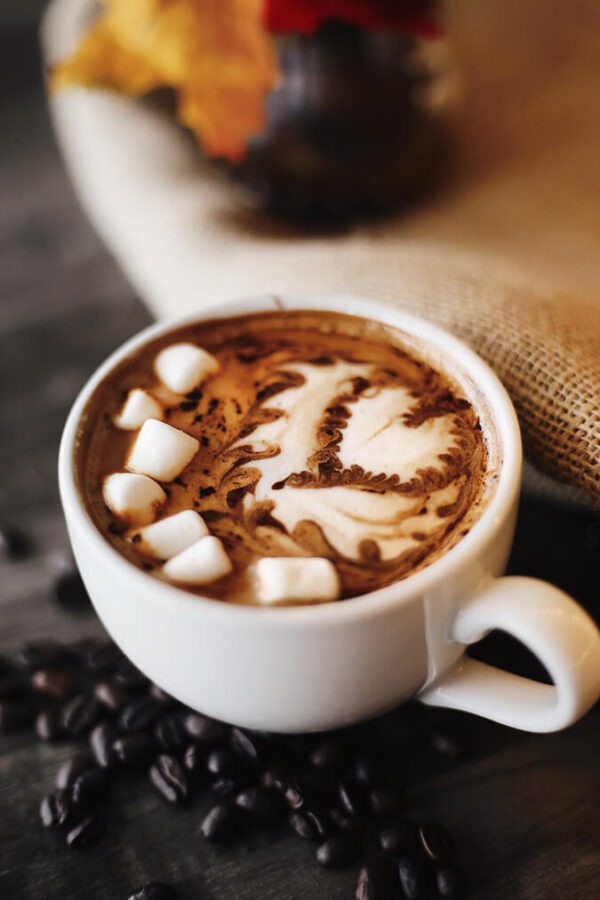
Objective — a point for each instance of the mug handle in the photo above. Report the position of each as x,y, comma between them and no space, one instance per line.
553,627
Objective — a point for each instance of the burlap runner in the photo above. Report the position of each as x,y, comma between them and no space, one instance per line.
506,256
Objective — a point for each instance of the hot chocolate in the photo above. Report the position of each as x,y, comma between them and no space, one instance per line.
291,435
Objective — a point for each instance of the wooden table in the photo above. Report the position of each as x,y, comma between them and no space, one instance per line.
524,808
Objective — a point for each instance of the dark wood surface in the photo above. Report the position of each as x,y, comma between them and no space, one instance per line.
524,808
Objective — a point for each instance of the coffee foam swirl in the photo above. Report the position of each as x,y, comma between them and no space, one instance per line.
342,455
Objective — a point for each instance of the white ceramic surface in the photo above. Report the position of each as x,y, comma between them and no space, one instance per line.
309,668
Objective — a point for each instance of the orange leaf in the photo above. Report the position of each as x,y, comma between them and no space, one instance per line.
214,53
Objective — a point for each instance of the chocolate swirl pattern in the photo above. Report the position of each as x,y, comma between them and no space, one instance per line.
320,437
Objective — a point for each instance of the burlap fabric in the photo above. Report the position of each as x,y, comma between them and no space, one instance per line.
507,255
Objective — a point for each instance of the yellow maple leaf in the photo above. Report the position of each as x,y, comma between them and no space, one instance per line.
214,53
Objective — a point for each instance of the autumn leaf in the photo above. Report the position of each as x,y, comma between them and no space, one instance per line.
214,53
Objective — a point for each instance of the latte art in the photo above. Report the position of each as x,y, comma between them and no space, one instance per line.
308,435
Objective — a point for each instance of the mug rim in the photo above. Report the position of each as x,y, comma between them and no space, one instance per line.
363,605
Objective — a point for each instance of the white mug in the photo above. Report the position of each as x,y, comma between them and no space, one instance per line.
318,667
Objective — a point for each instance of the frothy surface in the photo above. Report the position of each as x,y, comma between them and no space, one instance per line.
321,435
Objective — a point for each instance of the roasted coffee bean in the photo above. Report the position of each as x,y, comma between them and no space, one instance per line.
351,796
330,752
225,787
247,745
337,851
157,692
261,802
169,779
103,657
224,763
447,744
140,714
194,758
48,724
55,809
135,749
318,787
398,838
14,543
344,822
84,648
87,832
386,801
309,825
274,777
436,843
155,890
452,883
378,880
101,741
365,771
203,729
169,732
72,768
57,683
80,714
70,591
114,697
293,793
89,788
14,714
130,677
42,654
221,823
415,878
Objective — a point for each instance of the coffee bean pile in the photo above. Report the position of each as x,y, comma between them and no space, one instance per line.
339,791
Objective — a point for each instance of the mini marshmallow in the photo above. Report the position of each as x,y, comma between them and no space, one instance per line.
172,535
139,406
296,580
134,498
161,451
204,561
182,367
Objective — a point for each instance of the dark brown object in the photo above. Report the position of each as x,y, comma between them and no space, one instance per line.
169,779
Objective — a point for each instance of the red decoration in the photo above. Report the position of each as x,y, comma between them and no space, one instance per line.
414,17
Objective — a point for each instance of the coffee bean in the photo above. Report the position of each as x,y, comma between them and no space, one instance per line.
103,657
260,802
194,758
293,794
344,822
101,741
169,779
169,732
221,823
378,880
452,883
329,752
386,801
337,852
351,796
309,825
14,543
224,763
42,654
14,715
365,771
203,729
70,591
72,768
155,890
57,683
89,788
135,749
415,878
247,745
114,697
397,838
48,724
447,744
84,649
130,677
55,809
87,832
157,692
225,787
80,714
436,843
140,714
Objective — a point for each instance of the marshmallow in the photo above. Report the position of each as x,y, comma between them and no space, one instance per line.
204,561
134,498
161,451
172,535
139,406
296,579
182,367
